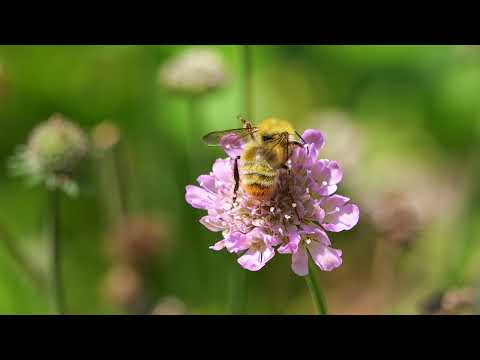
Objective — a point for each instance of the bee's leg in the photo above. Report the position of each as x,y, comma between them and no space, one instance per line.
236,176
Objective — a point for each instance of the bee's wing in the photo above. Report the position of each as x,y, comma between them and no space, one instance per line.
215,137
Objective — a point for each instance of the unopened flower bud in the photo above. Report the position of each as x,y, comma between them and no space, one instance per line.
137,240
397,220
170,306
105,136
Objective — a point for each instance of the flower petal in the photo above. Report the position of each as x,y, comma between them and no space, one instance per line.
344,219
223,172
312,136
254,260
293,241
199,198
300,262
207,182
213,223
236,242
325,257
232,144
218,245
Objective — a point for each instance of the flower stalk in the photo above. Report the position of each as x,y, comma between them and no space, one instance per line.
55,251
315,292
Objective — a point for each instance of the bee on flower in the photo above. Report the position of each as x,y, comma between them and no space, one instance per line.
274,195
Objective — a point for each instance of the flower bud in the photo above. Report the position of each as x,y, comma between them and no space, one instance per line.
138,240
170,306
396,219
123,286
451,302
194,72
105,136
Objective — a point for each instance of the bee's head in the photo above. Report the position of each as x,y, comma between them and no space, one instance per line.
272,127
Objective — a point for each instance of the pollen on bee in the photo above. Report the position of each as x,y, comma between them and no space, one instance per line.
307,190
294,205
272,209
308,241
288,217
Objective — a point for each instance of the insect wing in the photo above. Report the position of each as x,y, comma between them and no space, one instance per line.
214,138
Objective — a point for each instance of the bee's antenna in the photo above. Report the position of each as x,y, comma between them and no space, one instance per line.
301,138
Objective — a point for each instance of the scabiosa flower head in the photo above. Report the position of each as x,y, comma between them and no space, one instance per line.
137,240
194,72
451,302
396,220
52,153
294,221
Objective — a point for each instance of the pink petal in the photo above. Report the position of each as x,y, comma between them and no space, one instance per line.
255,260
292,245
300,262
218,245
232,145
336,173
326,258
223,171
213,223
199,198
345,219
312,136
207,182
236,242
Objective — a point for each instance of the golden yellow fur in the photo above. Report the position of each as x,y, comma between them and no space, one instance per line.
260,161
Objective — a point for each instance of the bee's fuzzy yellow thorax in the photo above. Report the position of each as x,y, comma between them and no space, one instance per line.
275,126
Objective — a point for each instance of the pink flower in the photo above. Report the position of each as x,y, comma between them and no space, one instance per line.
295,221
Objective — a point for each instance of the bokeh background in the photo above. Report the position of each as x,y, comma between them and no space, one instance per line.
402,121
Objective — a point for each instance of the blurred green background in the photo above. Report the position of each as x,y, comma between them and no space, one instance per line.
403,121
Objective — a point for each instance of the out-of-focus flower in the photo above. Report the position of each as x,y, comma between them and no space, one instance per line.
170,306
137,240
295,221
396,219
105,136
123,286
194,72
53,151
388,174
451,302
349,137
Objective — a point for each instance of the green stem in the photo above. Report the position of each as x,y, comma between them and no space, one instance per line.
22,261
56,274
315,291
